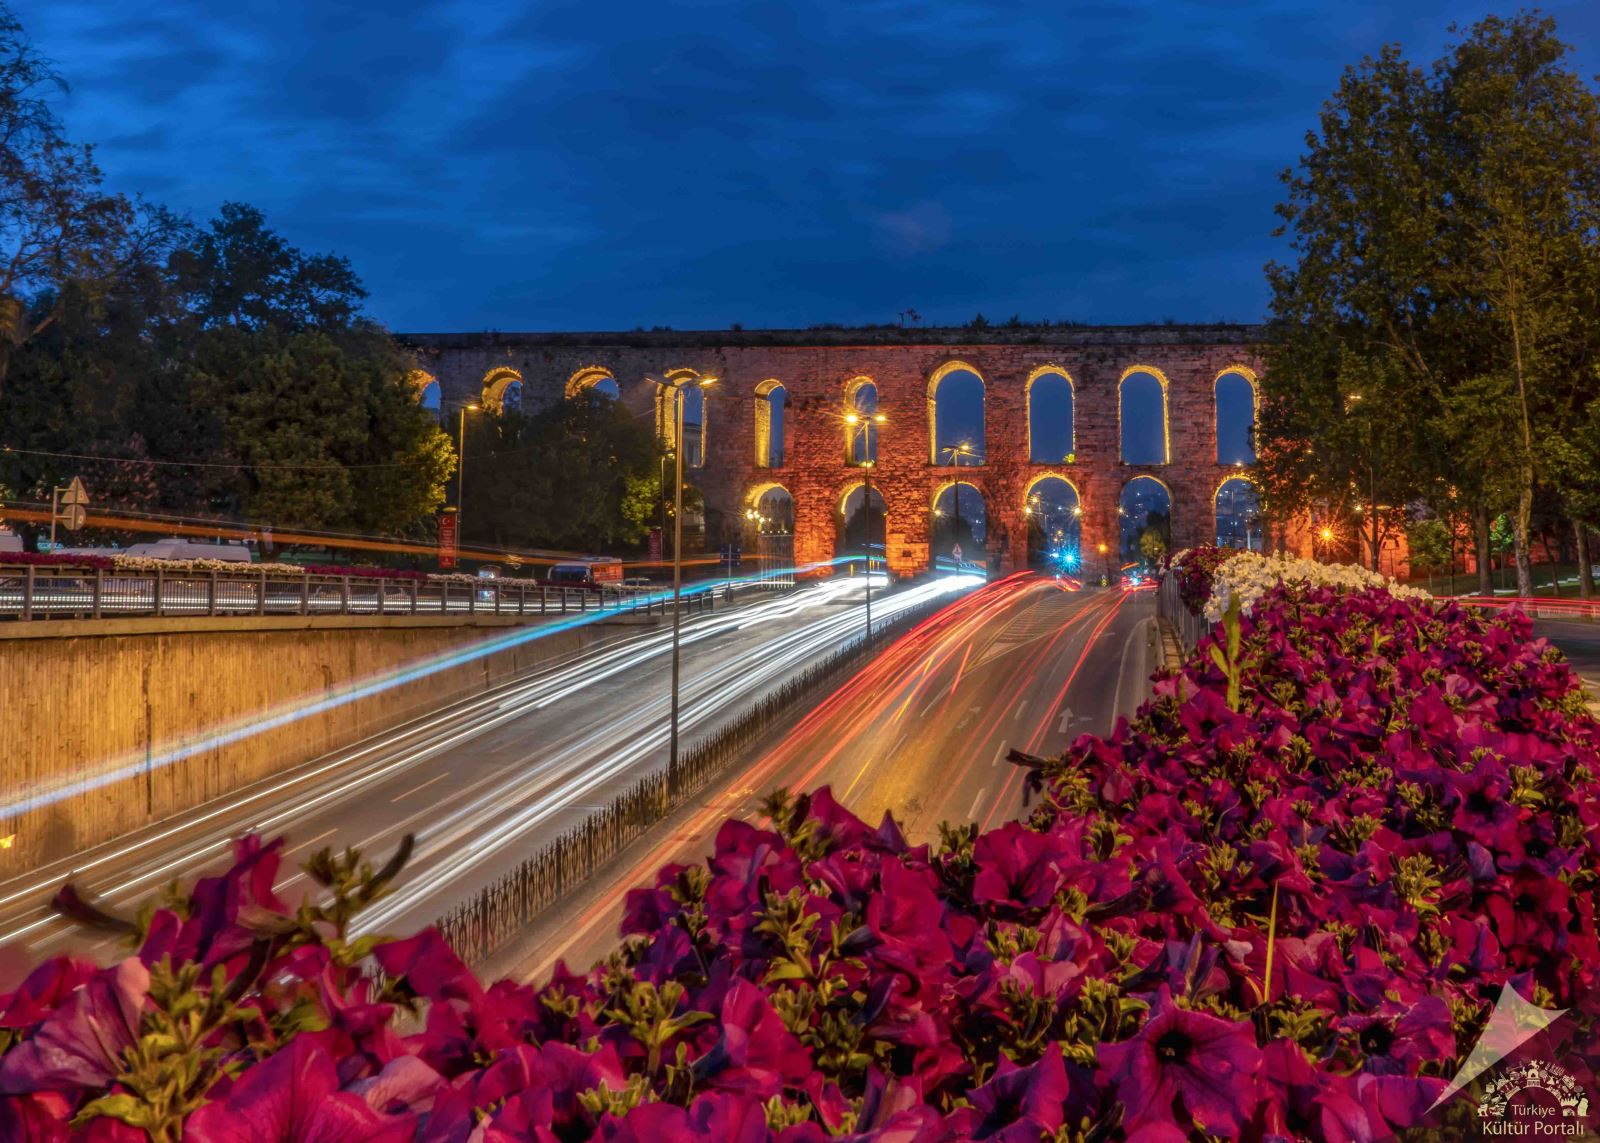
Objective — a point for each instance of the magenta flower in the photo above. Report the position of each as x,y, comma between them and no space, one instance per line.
80,1046
294,1095
1185,1067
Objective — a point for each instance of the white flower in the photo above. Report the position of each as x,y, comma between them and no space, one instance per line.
1250,575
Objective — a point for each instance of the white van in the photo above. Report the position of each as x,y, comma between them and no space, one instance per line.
175,549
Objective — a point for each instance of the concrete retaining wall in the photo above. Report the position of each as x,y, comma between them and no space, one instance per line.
112,701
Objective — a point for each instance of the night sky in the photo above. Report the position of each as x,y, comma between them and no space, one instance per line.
523,166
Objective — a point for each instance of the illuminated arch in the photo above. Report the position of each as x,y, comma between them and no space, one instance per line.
496,383
1039,452
934,381
1238,525
1054,522
844,518
1232,446
1133,372
958,514
861,440
771,405
1051,474
426,389
1130,523
592,377
694,402
760,498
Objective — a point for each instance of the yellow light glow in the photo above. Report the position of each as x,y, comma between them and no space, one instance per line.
851,419
1327,534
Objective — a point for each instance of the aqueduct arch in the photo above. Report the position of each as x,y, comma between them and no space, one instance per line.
815,371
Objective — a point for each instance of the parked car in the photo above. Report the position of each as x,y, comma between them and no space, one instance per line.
590,573
176,549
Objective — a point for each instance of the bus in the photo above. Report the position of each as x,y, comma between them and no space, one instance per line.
595,571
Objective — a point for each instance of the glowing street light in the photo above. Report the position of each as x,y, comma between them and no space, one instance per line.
677,559
864,425
461,461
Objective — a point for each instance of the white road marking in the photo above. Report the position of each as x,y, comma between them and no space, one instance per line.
424,786
972,814
1021,706
1000,754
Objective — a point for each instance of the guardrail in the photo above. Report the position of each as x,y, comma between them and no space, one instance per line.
1537,606
485,923
34,592
1191,628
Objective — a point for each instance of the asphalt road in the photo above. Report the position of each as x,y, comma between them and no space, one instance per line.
922,732
482,782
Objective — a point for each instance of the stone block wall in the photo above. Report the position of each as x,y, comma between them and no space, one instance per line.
817,368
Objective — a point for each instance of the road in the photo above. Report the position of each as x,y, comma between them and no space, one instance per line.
923,732
482,782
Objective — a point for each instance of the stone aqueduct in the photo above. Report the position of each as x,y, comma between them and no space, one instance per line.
818,371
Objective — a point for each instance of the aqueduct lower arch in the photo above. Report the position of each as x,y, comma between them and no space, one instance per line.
817,369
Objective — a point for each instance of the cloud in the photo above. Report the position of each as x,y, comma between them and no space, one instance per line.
506,164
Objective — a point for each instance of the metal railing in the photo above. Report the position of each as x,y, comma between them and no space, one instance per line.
1191,628
494,915
33,592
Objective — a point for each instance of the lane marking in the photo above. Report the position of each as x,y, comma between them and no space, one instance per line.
973,812
425,785
313,841
1021,706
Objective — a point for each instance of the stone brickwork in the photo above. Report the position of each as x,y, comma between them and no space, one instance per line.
816,369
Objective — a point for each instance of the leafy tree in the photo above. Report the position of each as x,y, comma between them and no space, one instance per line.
1429,545
58,225
1426,339
1152,545
577,476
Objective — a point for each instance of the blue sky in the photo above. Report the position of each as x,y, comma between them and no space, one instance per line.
603,166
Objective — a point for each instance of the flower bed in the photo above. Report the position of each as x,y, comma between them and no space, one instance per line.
148,565
1279,903
1210,577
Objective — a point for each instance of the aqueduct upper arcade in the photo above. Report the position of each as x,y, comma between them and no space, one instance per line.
1058,412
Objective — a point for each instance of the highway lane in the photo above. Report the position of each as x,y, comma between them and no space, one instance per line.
922,732
485,781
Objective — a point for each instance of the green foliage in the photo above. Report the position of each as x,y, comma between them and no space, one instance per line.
239,355
581,474
1429,544
1443,226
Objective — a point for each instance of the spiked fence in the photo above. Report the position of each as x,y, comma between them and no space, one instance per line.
482,925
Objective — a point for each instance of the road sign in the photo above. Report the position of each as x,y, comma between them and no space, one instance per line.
447,540
74,517
655,544
76,493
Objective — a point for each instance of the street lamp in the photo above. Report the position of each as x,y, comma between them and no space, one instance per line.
859,424
677,557
955,452
1105,566
461,461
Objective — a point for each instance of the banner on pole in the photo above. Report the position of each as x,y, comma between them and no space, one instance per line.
447,540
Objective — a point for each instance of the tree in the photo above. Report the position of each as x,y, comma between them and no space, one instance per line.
1152,545
57,223
580,475
1443,227
1522,135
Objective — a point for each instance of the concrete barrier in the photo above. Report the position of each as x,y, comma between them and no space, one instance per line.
109,725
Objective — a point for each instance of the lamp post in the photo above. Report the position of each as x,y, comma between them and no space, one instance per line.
677,558
461,461
1105,567
956,452
865,425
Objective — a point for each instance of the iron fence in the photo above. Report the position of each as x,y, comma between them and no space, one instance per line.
480,926
1191,628
33,592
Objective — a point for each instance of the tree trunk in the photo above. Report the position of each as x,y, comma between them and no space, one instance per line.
1580,536
1524,554
1480,534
